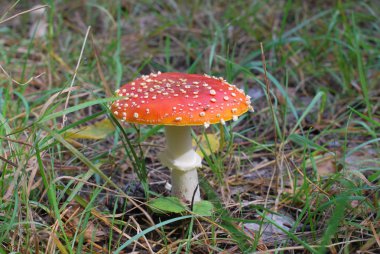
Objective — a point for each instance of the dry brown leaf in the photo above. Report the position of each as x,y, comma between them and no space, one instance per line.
72,222
326,167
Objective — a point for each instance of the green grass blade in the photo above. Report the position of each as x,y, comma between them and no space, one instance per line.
315,100
289,234
81,157
76,108
150,229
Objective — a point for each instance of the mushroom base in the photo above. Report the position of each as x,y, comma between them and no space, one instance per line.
183,161
185,185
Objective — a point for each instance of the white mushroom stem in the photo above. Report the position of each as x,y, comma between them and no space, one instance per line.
183,162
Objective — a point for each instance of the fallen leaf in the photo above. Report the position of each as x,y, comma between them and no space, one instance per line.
269,233
98,130
203,208
326,167
208,145
167,205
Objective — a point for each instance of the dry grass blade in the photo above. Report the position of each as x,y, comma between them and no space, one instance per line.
50,101
277,171
18,83
24,12
16,141
64,119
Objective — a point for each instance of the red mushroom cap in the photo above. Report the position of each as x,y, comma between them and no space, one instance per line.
179,99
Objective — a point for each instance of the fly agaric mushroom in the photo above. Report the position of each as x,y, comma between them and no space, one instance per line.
179,101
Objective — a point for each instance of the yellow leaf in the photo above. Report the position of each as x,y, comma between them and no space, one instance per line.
209,145
99,130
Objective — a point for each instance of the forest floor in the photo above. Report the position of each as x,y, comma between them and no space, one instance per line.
299,175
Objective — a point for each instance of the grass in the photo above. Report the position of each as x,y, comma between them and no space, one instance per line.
299,175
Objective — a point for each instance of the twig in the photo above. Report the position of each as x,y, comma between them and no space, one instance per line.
16,141
8,161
